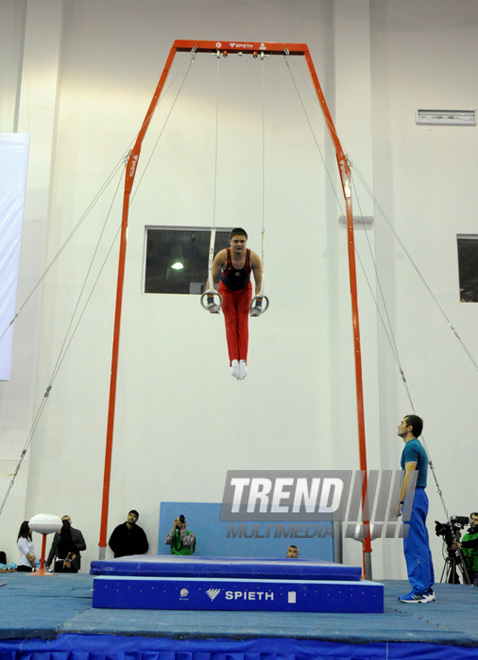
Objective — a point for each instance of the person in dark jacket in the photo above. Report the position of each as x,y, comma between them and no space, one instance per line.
67,550
78,540
129,538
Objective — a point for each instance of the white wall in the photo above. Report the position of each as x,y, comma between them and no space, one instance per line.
181,420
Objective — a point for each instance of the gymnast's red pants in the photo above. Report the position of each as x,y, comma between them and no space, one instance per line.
235,305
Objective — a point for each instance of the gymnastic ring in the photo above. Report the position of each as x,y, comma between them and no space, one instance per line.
210,292
263,308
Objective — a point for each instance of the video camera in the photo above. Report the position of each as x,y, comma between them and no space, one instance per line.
182,519
449,530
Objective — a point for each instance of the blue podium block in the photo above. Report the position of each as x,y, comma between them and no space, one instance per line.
198,593
217,567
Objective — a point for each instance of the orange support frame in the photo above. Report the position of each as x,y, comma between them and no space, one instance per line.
255,49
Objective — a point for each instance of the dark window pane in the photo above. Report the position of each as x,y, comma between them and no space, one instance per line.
468,267
177,260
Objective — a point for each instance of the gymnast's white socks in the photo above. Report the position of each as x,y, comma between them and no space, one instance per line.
242,369
239,369
235,369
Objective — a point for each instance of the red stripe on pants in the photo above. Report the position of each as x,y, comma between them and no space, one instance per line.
235,305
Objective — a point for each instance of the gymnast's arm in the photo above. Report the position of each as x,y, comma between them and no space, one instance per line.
219,262
256,267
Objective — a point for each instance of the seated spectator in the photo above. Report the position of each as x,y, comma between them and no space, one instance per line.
292,552
129,538
27,561
180,540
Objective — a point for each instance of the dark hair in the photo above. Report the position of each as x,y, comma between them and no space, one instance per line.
473,514
416,423
25,531
293,546
182,518
65,529
238,231
135,513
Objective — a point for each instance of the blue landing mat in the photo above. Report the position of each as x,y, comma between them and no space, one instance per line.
223,567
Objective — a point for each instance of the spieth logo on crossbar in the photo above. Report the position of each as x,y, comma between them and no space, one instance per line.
232,44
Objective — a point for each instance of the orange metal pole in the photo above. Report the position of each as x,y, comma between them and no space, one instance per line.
251,48
131,168
345,176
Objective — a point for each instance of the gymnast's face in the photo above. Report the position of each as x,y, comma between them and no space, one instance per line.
238,243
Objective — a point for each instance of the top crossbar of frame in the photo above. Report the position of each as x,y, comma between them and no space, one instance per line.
244,47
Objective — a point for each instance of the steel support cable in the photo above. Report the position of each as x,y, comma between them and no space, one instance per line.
377,204
168,116
393,345
263,164
68,339
67,241
301,101
69,335
417,270
388,332
216,147
339,201
375,201
209,296
388,325
81,220
260,302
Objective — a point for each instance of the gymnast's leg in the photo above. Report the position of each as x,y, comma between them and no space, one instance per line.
230,319
242,310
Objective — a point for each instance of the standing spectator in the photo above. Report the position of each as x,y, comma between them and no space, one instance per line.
67,551
78,540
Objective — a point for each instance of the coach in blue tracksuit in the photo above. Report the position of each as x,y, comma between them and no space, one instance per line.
416,545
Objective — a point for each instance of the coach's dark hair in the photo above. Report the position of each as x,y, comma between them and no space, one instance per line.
416,423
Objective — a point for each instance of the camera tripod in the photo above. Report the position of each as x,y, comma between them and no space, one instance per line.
453,567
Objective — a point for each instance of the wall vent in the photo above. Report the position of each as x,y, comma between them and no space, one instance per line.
448,117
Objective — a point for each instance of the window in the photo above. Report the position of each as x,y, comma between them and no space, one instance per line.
177,259
468,267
